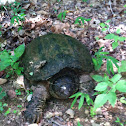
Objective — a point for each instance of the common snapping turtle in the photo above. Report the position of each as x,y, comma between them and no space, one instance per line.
53,63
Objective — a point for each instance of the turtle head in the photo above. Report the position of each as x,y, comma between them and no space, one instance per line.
64,86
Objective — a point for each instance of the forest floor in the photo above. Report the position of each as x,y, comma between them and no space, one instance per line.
41,18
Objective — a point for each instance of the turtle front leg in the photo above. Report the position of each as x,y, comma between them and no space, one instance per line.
35,107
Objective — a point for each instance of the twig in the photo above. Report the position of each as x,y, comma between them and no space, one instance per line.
110,4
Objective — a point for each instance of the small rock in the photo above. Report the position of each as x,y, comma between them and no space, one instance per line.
107,124
48,115
86,111
19,83
70,112
21,32
34,2
3,81
34,124
11,94
95,124
85,78
29,97
98,111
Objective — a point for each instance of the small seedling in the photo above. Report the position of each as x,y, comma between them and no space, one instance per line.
116,38
2,105
2,93
18,92
98,61
9,62
78,123
92,112
84,0
29,92
18,13
81,19
107,88
118,121
105,25
7,112
82,96
62,15
123,100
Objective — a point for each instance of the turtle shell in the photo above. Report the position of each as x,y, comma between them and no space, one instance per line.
47,55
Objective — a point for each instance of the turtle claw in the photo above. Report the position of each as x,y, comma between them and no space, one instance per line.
32,115
34,108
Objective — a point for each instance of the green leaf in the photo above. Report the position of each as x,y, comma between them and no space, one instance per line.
78,123
116,78
102,25
7,112
87,19
106,78
115,61
14,111
124,5
88,99
81,101
109,67
2,94
19,50
121,39
97,38
103,53
110,36
118,31
122,68
108,21
115,45
121,86
1,109
104,29
76,95
97,78
100,101
123,100
112,98
74,101
101,86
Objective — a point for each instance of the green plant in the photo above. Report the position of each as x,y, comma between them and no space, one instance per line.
105,25
2,105
107,88
7,112
82,96
92,112
118,121
84,0
116,38
9,62
18,92
81,19
122,68
18,13
124,6
0,31
29,92
2,93
78,123
98,60
62,15
123,100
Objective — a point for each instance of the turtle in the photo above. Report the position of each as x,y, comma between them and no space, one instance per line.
53,63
